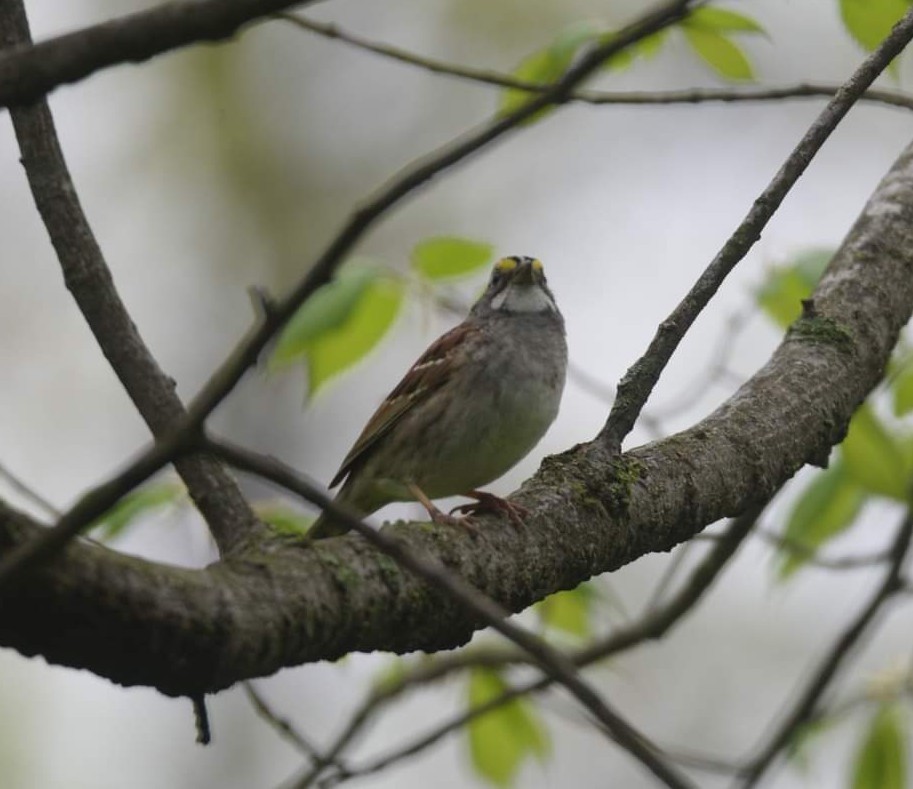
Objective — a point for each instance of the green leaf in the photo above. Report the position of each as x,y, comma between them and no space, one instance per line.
327,309
136,504
646,48
445,257
722,20
340,323
546,66
826,508
500,740
870,21
786,286
284,519
881,761
720,53
568,611
873,458
650,46
366,323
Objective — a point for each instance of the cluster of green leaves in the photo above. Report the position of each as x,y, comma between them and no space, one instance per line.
345,319
875,460
708,31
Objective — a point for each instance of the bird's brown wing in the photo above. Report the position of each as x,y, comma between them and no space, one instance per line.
428,374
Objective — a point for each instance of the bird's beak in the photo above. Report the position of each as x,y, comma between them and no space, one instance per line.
524,274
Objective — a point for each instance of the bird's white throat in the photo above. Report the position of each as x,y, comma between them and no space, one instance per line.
523,298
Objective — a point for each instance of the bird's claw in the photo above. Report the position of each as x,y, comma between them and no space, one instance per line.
488,502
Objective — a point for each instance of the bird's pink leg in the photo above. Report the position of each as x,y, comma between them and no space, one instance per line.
488,502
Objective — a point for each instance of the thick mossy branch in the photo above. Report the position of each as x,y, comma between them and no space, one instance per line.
190,631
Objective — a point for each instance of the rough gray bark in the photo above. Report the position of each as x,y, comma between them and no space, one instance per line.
187,631
27,72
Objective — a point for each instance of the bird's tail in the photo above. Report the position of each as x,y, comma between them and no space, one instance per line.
328,526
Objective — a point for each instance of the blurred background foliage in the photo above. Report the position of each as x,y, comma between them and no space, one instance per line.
222,168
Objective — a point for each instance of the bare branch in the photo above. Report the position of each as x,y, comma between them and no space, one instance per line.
498,79
285,729
89,280
442,667
638,382
807,699
29,71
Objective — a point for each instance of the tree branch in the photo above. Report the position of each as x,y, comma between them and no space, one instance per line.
497,79
637,384
289,603
29,71
89,280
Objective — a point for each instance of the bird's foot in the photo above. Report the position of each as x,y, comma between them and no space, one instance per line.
439,516
488,502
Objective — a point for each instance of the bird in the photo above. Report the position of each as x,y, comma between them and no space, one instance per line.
474,404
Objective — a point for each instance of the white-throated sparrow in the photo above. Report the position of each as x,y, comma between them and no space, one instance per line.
473,405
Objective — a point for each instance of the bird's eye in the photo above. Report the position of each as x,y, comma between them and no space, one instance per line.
501,269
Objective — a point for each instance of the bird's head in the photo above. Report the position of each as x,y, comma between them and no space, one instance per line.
517,285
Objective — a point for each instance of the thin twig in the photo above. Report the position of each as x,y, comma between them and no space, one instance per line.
246,352
28,492
810,555
284,728
554,664
665,581
716,370
499,79
18,561
638,383
201,714
804,707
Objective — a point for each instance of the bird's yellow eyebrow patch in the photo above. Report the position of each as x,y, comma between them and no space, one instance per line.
506,264
537,265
